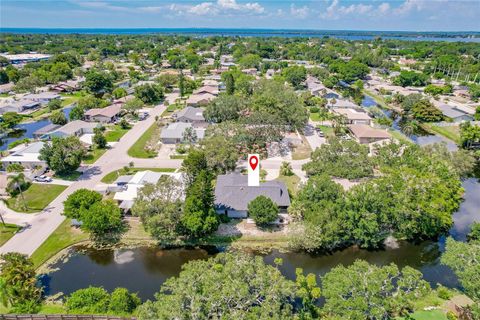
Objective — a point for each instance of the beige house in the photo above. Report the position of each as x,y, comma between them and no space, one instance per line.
354,116
365,134
103,115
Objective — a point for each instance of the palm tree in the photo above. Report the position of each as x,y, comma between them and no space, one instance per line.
17,182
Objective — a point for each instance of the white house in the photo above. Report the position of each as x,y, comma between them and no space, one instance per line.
130,185
26,155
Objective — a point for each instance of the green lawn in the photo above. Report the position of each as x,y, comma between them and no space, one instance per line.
64,236
7,231
302,151
427,315
72,176
138,150
292,182
171,109
93,155
327,131
114,133
39,113
449,132
68,100
37,197
112,176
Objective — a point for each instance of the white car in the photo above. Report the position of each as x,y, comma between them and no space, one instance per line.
42,179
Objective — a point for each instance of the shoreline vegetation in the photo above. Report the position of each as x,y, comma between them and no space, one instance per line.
65,237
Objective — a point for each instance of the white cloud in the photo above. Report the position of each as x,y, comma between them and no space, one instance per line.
301,12
202,9
384,8
335,10
409,5
213,8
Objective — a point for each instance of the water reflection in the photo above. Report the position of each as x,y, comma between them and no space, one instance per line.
144,269
26,130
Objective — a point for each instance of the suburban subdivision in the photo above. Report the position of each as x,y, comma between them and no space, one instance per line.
129,190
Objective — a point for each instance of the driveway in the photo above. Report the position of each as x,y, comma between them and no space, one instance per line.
312,137
41,225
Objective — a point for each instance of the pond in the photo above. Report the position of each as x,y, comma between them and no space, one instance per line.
26,130
144,269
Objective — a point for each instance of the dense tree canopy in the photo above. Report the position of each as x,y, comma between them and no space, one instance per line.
229,286
340,158
364,291
63,155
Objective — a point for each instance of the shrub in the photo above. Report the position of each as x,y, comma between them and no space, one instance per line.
263,210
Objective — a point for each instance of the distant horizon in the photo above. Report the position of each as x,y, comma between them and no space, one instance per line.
354,15
239,29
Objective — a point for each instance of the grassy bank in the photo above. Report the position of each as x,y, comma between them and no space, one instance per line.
37,197
7,231
112,176
449,132
63,237
139,148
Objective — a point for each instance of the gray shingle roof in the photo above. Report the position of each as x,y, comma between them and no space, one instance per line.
191,113
232,192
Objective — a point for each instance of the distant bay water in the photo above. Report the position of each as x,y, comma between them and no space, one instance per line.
472,36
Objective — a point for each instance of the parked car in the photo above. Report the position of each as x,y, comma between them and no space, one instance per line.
143,116
320,134
42,179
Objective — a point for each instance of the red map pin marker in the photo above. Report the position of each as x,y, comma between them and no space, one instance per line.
253,162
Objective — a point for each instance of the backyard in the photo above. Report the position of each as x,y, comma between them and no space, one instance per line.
37,197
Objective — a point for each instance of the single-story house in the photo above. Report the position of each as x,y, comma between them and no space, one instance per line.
26,155
42,97
207,89
103,115
232,194
200,99
174,132
455,114
366,134
336,102
354,116
129,185
10,105
75,128
190,115
45,130
66,86
6,87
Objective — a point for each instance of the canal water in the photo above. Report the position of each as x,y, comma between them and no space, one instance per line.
26,130
144,269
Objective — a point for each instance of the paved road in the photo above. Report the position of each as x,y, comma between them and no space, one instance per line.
40,226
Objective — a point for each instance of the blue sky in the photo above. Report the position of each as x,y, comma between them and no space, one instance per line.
412,15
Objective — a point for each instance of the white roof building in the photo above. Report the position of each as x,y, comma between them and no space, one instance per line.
127,196
26,155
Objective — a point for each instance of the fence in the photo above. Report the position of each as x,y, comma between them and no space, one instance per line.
59,317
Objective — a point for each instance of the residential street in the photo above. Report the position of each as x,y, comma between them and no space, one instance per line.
39,226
